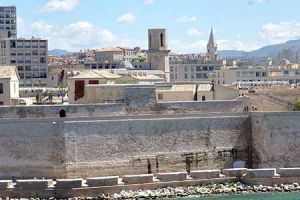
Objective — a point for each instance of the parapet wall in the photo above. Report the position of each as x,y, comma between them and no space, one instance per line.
133,104
236,105
72,111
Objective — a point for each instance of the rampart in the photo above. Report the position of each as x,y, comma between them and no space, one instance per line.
87,147
132,106
100,140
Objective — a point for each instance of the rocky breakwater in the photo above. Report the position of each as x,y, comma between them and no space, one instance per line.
201,190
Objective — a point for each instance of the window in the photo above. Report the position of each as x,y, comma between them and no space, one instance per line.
199,76
198,68
160,96
93,82
185,76
203,98
1,88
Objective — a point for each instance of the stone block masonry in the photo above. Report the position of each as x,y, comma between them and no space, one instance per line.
275,139
102,181
135,179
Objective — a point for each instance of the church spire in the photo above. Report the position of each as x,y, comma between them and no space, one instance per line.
211,37
212,47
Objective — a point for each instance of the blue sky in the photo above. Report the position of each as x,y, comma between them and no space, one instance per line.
82,24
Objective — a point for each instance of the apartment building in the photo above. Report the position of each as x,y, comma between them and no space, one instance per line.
30,57
193,70
8,22
229,76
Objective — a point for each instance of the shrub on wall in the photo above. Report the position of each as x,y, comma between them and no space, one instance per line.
297,105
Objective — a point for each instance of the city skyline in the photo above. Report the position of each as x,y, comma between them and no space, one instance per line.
80,24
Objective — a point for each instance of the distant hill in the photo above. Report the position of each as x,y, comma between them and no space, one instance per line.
267,51
59,52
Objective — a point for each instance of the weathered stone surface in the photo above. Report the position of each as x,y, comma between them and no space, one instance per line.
135,179
173,176
234,172
33,184
68,183
289,172
205,174
102,181
275,139
261,173
4,184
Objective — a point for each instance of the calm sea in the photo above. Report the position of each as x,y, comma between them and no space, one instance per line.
267,196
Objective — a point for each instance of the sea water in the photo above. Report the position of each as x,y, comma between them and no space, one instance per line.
256,196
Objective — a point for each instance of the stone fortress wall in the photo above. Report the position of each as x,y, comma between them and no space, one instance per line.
113,144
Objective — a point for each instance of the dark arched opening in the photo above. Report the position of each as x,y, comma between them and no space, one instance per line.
162,40
62,113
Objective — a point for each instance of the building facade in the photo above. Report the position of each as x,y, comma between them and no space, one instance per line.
8,22
30,57
229,76
9,85
114,55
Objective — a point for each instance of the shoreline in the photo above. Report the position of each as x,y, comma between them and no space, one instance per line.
236,188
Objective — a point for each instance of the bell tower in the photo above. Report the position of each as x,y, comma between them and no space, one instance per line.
158,53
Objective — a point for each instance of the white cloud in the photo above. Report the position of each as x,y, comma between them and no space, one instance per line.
280,32
126,18
107,36
77,35
179,46
186,19
199,46
258,1
42,26
59,5
235,44
193,32
147,2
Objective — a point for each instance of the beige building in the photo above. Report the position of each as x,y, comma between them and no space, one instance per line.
9,85
77,85
114,54
195,92
30,57
176,93
229,76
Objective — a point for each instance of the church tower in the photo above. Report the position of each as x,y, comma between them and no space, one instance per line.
212,47
158,53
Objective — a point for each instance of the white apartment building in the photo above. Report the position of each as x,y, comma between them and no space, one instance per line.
229,76
8,22
30,57
182,71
